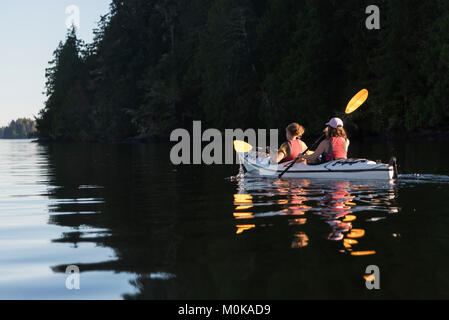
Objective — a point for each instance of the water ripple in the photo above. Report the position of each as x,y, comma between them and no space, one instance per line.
263,202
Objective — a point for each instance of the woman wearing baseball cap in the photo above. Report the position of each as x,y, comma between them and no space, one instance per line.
334,147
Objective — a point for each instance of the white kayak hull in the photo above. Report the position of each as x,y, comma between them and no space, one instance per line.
348,169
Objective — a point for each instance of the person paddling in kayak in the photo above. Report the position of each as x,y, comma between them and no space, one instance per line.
294,146
334,147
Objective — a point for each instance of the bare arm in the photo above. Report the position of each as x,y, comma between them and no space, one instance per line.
346,145
319,151
282,152
281,156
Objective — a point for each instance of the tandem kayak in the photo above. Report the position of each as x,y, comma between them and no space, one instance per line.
347,169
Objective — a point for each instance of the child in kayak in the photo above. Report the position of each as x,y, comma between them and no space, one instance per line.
334,147
294,146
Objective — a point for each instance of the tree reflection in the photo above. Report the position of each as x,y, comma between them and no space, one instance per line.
185,235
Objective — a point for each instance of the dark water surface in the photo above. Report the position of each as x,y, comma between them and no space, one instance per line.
140,228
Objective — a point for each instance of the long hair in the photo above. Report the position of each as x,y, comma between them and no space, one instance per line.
336,132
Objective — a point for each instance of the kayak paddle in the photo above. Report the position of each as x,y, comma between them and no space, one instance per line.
242,146
353,105
357,101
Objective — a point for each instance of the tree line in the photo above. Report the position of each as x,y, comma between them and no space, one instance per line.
19,129
157,65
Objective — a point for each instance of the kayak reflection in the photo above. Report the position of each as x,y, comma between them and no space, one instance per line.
341,205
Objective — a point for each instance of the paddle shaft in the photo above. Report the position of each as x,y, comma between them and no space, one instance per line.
299,156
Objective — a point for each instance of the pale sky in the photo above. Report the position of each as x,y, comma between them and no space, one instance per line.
30,31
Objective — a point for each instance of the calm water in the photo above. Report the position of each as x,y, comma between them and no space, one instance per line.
141,228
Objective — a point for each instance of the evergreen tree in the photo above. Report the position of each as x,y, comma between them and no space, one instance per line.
19,129
155,65
64,109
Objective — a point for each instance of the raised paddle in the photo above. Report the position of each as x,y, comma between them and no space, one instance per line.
353,105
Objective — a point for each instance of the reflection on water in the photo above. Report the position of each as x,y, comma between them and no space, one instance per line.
338,204
141,228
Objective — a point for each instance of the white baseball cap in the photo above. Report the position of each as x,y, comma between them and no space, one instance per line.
335,122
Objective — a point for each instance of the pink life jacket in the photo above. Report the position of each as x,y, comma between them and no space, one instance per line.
337,149
295,150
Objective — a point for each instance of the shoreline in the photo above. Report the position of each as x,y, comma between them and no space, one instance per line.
440,135
140,139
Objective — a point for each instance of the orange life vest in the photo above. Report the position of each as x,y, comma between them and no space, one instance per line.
295,147
337,149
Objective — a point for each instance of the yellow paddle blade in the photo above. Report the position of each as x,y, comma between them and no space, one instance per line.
357,101
242,146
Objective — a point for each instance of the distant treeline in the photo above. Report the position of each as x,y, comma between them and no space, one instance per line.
156,65
19,129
